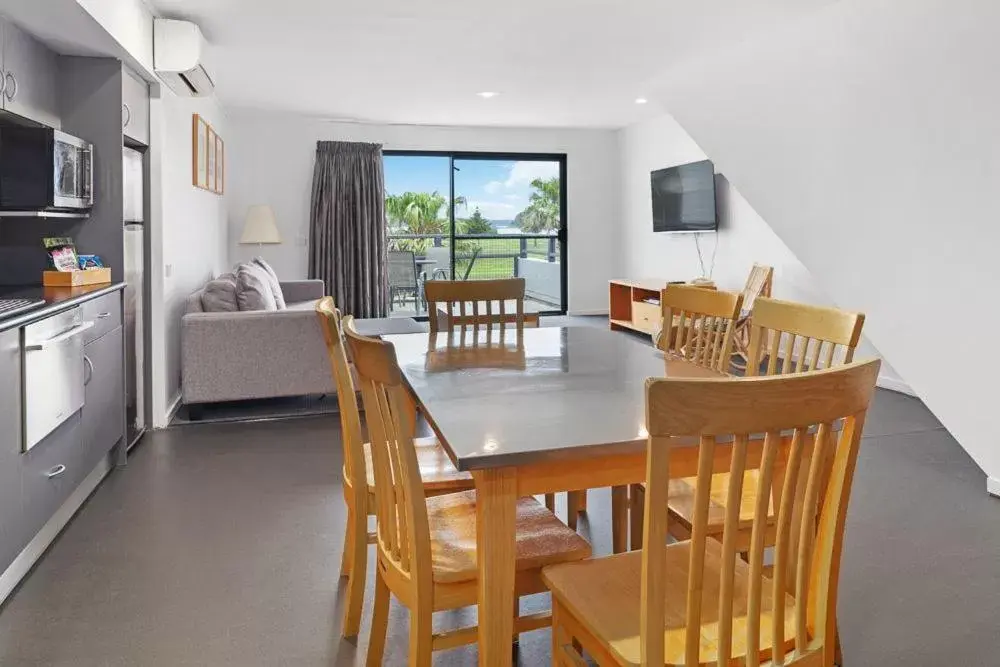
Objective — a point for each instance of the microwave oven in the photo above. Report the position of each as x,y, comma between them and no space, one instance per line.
43,170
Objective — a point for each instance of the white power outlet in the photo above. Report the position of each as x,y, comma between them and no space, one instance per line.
168,270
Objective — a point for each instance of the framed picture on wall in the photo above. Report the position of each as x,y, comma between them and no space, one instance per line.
211,159
208,163
199,149
220,165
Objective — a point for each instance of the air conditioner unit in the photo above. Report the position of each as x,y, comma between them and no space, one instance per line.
178,47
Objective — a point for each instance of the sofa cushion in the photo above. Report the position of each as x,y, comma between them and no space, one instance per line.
219,295
273,282
253,291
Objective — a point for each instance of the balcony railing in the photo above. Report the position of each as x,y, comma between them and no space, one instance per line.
534,257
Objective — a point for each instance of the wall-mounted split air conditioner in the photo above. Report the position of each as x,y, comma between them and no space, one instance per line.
178,47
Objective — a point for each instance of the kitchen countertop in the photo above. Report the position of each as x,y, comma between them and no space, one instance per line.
56,299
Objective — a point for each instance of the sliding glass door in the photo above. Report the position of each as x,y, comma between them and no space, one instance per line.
476,216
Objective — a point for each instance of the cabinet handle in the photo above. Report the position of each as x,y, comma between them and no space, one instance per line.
103,316
90,370
128,115
12,86
55,472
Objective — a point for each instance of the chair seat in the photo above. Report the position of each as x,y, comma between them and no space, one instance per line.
603,595
681,501
438,472
541,538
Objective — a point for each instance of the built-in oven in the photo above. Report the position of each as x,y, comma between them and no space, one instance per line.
43,170
55,372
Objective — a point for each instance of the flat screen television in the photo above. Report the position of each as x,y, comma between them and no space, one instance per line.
684,198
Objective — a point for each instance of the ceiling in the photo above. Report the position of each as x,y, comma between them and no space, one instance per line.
567,63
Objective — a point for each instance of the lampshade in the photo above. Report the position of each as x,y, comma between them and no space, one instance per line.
260,226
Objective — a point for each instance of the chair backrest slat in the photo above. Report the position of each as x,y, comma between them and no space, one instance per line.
401,509
463,292
816,418
699,324
759,283
776,320
350,417
757,540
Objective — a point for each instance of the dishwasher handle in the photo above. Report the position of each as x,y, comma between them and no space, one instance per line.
58,338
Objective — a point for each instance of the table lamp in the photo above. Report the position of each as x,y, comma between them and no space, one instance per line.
260,227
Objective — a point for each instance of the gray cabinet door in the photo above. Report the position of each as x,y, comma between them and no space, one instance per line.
103,416
30,71
135,108
12,533
50,472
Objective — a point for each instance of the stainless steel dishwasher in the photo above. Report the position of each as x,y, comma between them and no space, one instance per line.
54,373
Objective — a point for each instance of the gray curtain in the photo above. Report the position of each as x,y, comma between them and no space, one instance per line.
347,234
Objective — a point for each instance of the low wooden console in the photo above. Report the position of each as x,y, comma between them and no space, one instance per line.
635,304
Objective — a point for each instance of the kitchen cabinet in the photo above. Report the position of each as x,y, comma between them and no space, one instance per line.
135,107
11,531
103,415
35,484
50,472
106,314
29,70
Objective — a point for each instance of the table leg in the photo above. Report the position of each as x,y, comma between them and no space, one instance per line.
619,519
496,507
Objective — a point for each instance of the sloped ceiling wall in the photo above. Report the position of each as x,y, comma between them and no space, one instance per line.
868,136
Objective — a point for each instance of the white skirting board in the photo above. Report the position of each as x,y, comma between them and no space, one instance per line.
172,409
47,535
894,384
993,486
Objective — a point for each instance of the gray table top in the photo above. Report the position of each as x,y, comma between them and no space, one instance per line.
556,395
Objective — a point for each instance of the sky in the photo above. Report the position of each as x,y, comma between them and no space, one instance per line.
500,188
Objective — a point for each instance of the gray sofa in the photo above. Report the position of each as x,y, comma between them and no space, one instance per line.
229,356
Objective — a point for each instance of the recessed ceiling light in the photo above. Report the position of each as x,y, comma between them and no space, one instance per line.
641,100
487,94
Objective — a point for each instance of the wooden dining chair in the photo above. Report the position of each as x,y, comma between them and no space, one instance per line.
427,545
759,283
696,602
702,327
702,333
474,304
438,475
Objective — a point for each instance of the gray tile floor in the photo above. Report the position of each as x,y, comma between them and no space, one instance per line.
219,545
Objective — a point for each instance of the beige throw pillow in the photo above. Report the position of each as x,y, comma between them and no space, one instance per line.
253,291
273,282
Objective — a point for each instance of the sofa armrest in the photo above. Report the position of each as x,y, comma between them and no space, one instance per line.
260,354
302,290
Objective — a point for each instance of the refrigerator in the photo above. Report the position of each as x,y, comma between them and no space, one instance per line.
134,230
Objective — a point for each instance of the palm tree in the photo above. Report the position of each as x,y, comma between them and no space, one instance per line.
416,213
543,210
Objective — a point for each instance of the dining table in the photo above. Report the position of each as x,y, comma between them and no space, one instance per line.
535,411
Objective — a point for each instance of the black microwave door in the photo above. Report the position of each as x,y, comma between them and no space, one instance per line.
25,168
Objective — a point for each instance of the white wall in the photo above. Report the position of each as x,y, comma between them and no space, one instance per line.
188,234
866,135
743,237
271,162
130,23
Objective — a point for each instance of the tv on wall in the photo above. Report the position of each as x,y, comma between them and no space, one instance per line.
684,198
